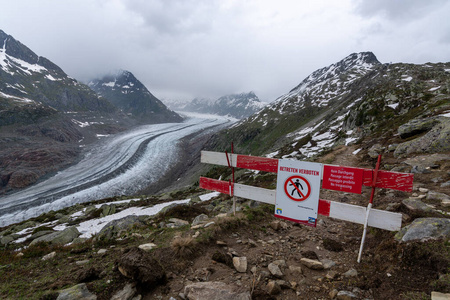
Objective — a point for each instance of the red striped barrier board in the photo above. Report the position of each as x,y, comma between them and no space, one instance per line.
385,179
342,211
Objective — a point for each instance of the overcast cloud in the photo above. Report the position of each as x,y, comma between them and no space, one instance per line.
181,49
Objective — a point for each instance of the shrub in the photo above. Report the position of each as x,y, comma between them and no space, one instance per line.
184,246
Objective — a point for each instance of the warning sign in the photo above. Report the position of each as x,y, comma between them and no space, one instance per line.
343,179
298,188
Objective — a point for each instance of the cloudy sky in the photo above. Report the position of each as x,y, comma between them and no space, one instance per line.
181,49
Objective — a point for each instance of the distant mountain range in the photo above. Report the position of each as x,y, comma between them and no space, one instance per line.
236,105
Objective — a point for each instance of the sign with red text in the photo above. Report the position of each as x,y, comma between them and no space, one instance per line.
345,179
298,188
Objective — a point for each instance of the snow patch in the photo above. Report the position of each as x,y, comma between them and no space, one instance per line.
349,140
407,79
50,77
434,89
92,227
17,99
393,106
356,151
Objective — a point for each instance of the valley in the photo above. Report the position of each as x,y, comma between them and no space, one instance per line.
122,164
100,196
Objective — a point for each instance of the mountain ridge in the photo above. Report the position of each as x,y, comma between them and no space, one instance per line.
340,96
126,92
238,106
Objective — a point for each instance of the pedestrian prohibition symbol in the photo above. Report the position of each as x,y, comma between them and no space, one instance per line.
297,194
297,188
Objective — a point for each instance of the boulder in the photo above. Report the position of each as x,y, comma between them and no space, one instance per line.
175,223
345,295
60,237
90,209
296,269
351,273
434,141
5,240
416,126
441,197
77,292
194,200
240,264
423,229
41,233
276,225
49,256
127,293
328,263
108,209
275,270
416,205
312,264
140,266
215,290
426,162
439,296
273,288
114,227
199,219
147,247
375,150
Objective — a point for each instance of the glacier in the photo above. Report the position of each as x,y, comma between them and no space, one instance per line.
120,164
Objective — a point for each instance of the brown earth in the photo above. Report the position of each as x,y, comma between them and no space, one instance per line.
389,270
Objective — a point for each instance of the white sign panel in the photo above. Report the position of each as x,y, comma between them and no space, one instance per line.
298,188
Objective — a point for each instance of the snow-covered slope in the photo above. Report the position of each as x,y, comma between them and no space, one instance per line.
29,79
236,105
340,104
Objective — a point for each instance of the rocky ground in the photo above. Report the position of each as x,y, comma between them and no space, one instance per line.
200,249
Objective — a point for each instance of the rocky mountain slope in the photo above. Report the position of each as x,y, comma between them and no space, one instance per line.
236,105
28,80
126,92
355,98
46,117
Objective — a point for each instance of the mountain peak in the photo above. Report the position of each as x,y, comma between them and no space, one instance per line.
125,91
362,58
330,81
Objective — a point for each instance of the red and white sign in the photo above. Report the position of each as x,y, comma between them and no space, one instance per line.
298,188
344,179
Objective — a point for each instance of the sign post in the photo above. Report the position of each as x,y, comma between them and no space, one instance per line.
298,188
369,206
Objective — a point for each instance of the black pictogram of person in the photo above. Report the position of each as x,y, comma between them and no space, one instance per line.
297,184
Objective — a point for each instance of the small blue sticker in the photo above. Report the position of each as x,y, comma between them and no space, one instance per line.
279,211
312,220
